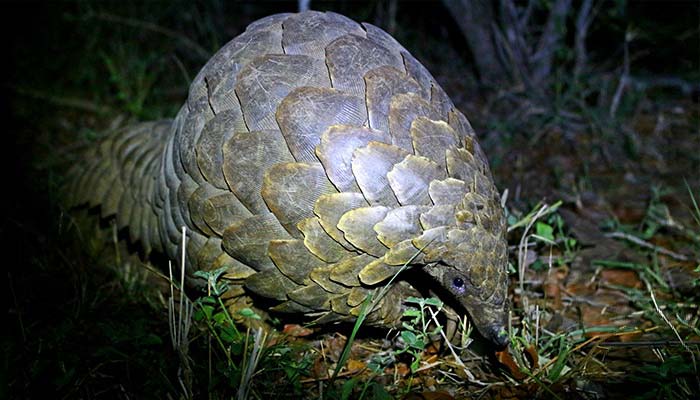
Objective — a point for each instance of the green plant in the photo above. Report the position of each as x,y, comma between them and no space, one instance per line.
418,331
132,79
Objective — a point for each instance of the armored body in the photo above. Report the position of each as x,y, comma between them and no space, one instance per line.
313,158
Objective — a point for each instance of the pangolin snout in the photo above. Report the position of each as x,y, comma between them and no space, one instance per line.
497,335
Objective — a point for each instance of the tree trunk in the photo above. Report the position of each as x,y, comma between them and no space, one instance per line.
476,20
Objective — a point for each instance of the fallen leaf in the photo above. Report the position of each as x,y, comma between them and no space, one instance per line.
506,359
431,358
620,277
355,366
333,346
532,356
552,286
402,369
437,395
296,330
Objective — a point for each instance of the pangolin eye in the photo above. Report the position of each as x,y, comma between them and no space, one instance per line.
458,282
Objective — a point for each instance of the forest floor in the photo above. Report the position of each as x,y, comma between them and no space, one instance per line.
604,240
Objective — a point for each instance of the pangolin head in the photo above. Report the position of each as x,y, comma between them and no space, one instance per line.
472,267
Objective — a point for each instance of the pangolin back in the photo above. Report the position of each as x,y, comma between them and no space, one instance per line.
313,158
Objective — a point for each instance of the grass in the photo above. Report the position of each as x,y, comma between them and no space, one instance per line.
547,358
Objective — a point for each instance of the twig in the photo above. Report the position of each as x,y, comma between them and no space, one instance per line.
17,308
180,326
600,338
673,328
79,104
644,83
155,28
522,246
653,343
645,244
670,325
543,58
583,21
470,376
624,78
525,18
515,32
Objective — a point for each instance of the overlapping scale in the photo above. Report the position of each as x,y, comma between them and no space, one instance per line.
210,144
330,208
370,165
311,32
313,158
431,139
410,179
247,155
383,83
403,110
358,227
268,79
336,149
248,240
350,57
293,259
307,112
319,243
290,190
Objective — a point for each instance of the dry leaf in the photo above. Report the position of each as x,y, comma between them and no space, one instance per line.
620,277
296,330
507,361
438,395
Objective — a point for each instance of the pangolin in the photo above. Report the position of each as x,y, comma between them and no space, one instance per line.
313,159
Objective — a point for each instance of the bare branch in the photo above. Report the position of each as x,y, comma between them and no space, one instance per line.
551,36
623,78
136,23
516,38
583,21
475,19
647,245
525,18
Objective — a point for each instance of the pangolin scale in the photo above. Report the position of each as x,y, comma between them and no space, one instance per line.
313,158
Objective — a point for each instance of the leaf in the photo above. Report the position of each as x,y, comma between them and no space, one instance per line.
414,300
206,312
248,313
230,334
150,339
412,312
219,318
296,330
409,337
348,386
506,359
560,365
379,392
416,363
545,231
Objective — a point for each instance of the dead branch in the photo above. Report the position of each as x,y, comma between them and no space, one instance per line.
583,21
647,245
551,36
475,19
623,78
187,42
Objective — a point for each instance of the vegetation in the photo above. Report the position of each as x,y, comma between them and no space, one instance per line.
602,199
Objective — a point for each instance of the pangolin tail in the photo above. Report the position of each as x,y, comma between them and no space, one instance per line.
119,176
